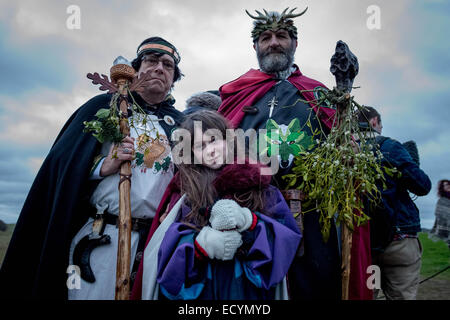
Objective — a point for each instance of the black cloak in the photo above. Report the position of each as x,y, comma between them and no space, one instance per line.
57,206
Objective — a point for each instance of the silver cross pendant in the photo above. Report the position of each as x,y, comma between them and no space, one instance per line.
272,104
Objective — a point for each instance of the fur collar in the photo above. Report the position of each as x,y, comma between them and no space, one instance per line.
241,177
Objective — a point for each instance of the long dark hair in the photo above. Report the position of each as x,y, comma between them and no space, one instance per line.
197,180
441,191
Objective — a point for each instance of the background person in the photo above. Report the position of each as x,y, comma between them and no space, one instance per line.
400,260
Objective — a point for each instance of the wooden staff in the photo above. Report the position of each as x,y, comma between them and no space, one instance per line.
122,74
346,241
345,67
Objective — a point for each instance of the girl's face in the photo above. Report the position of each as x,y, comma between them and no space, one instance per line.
210,150
446,186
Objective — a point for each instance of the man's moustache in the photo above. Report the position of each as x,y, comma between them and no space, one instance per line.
270,51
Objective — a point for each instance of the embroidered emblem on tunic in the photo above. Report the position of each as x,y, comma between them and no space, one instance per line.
290,141
153,152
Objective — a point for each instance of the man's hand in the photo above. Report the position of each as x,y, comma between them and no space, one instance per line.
117,154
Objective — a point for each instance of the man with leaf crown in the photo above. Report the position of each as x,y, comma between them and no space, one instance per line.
281,100
77,185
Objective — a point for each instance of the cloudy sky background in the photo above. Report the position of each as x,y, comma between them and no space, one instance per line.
404,67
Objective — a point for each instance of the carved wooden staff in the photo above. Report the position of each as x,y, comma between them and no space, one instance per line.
345,67
122,74
123,78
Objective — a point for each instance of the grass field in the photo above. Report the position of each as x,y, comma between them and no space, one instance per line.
436,256
4,240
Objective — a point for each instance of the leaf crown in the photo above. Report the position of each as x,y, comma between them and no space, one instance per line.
273,21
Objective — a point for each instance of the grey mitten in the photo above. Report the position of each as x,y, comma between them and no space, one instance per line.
226,214
220,245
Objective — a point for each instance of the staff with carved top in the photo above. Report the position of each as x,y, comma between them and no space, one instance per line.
345,67
122,74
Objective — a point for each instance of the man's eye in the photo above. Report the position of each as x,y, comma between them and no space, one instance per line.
213,139
168,65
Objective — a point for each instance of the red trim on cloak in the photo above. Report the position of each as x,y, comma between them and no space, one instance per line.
254,221
360,260
253,85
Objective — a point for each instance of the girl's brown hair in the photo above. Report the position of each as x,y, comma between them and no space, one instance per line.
197,180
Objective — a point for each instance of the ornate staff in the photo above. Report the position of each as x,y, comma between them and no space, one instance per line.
344,66
124,80
122,74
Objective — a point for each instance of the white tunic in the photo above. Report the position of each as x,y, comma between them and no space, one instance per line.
151,173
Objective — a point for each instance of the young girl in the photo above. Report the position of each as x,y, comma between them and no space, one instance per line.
233,237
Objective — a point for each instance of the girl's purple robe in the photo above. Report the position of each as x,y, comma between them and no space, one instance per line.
258,266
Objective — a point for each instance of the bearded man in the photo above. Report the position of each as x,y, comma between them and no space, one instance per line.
78,184
279,98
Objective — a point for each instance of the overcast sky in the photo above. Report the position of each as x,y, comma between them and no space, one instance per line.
402,47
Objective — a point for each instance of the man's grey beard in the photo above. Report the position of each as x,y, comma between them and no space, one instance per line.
278,62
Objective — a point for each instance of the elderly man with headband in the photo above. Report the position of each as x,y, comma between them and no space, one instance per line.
77,185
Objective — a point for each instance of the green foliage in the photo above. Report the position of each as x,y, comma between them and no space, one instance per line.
106,125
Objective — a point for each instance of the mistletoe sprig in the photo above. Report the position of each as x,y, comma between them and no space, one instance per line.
336,174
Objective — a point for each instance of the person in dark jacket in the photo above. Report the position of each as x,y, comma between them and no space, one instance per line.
400,261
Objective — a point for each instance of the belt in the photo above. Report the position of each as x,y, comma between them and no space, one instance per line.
142,226
136,223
